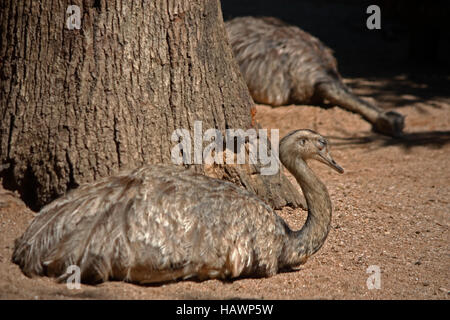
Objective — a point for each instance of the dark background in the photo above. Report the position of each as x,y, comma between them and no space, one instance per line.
413,39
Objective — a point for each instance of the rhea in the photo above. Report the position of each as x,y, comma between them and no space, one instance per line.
162,223
283,64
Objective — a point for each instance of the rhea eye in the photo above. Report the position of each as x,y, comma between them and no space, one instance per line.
322,144
301,142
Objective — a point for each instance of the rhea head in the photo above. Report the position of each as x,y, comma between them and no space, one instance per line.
306,144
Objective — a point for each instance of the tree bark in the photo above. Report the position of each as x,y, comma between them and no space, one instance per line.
78,105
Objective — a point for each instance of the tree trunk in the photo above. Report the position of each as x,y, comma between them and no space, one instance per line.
77,105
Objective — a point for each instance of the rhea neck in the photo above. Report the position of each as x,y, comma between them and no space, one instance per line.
310,238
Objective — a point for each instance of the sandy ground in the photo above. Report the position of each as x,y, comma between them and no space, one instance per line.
391,209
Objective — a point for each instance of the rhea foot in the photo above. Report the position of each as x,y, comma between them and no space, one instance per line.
390,123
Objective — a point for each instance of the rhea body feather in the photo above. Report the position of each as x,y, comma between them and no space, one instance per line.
281,64
156,223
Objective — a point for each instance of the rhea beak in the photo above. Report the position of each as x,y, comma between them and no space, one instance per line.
326,158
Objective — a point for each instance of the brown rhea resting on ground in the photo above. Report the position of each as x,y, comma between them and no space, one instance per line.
161,223
283,64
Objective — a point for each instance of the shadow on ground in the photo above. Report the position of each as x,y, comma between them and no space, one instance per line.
434,139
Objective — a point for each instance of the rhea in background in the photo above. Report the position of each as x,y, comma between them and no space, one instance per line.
283,64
